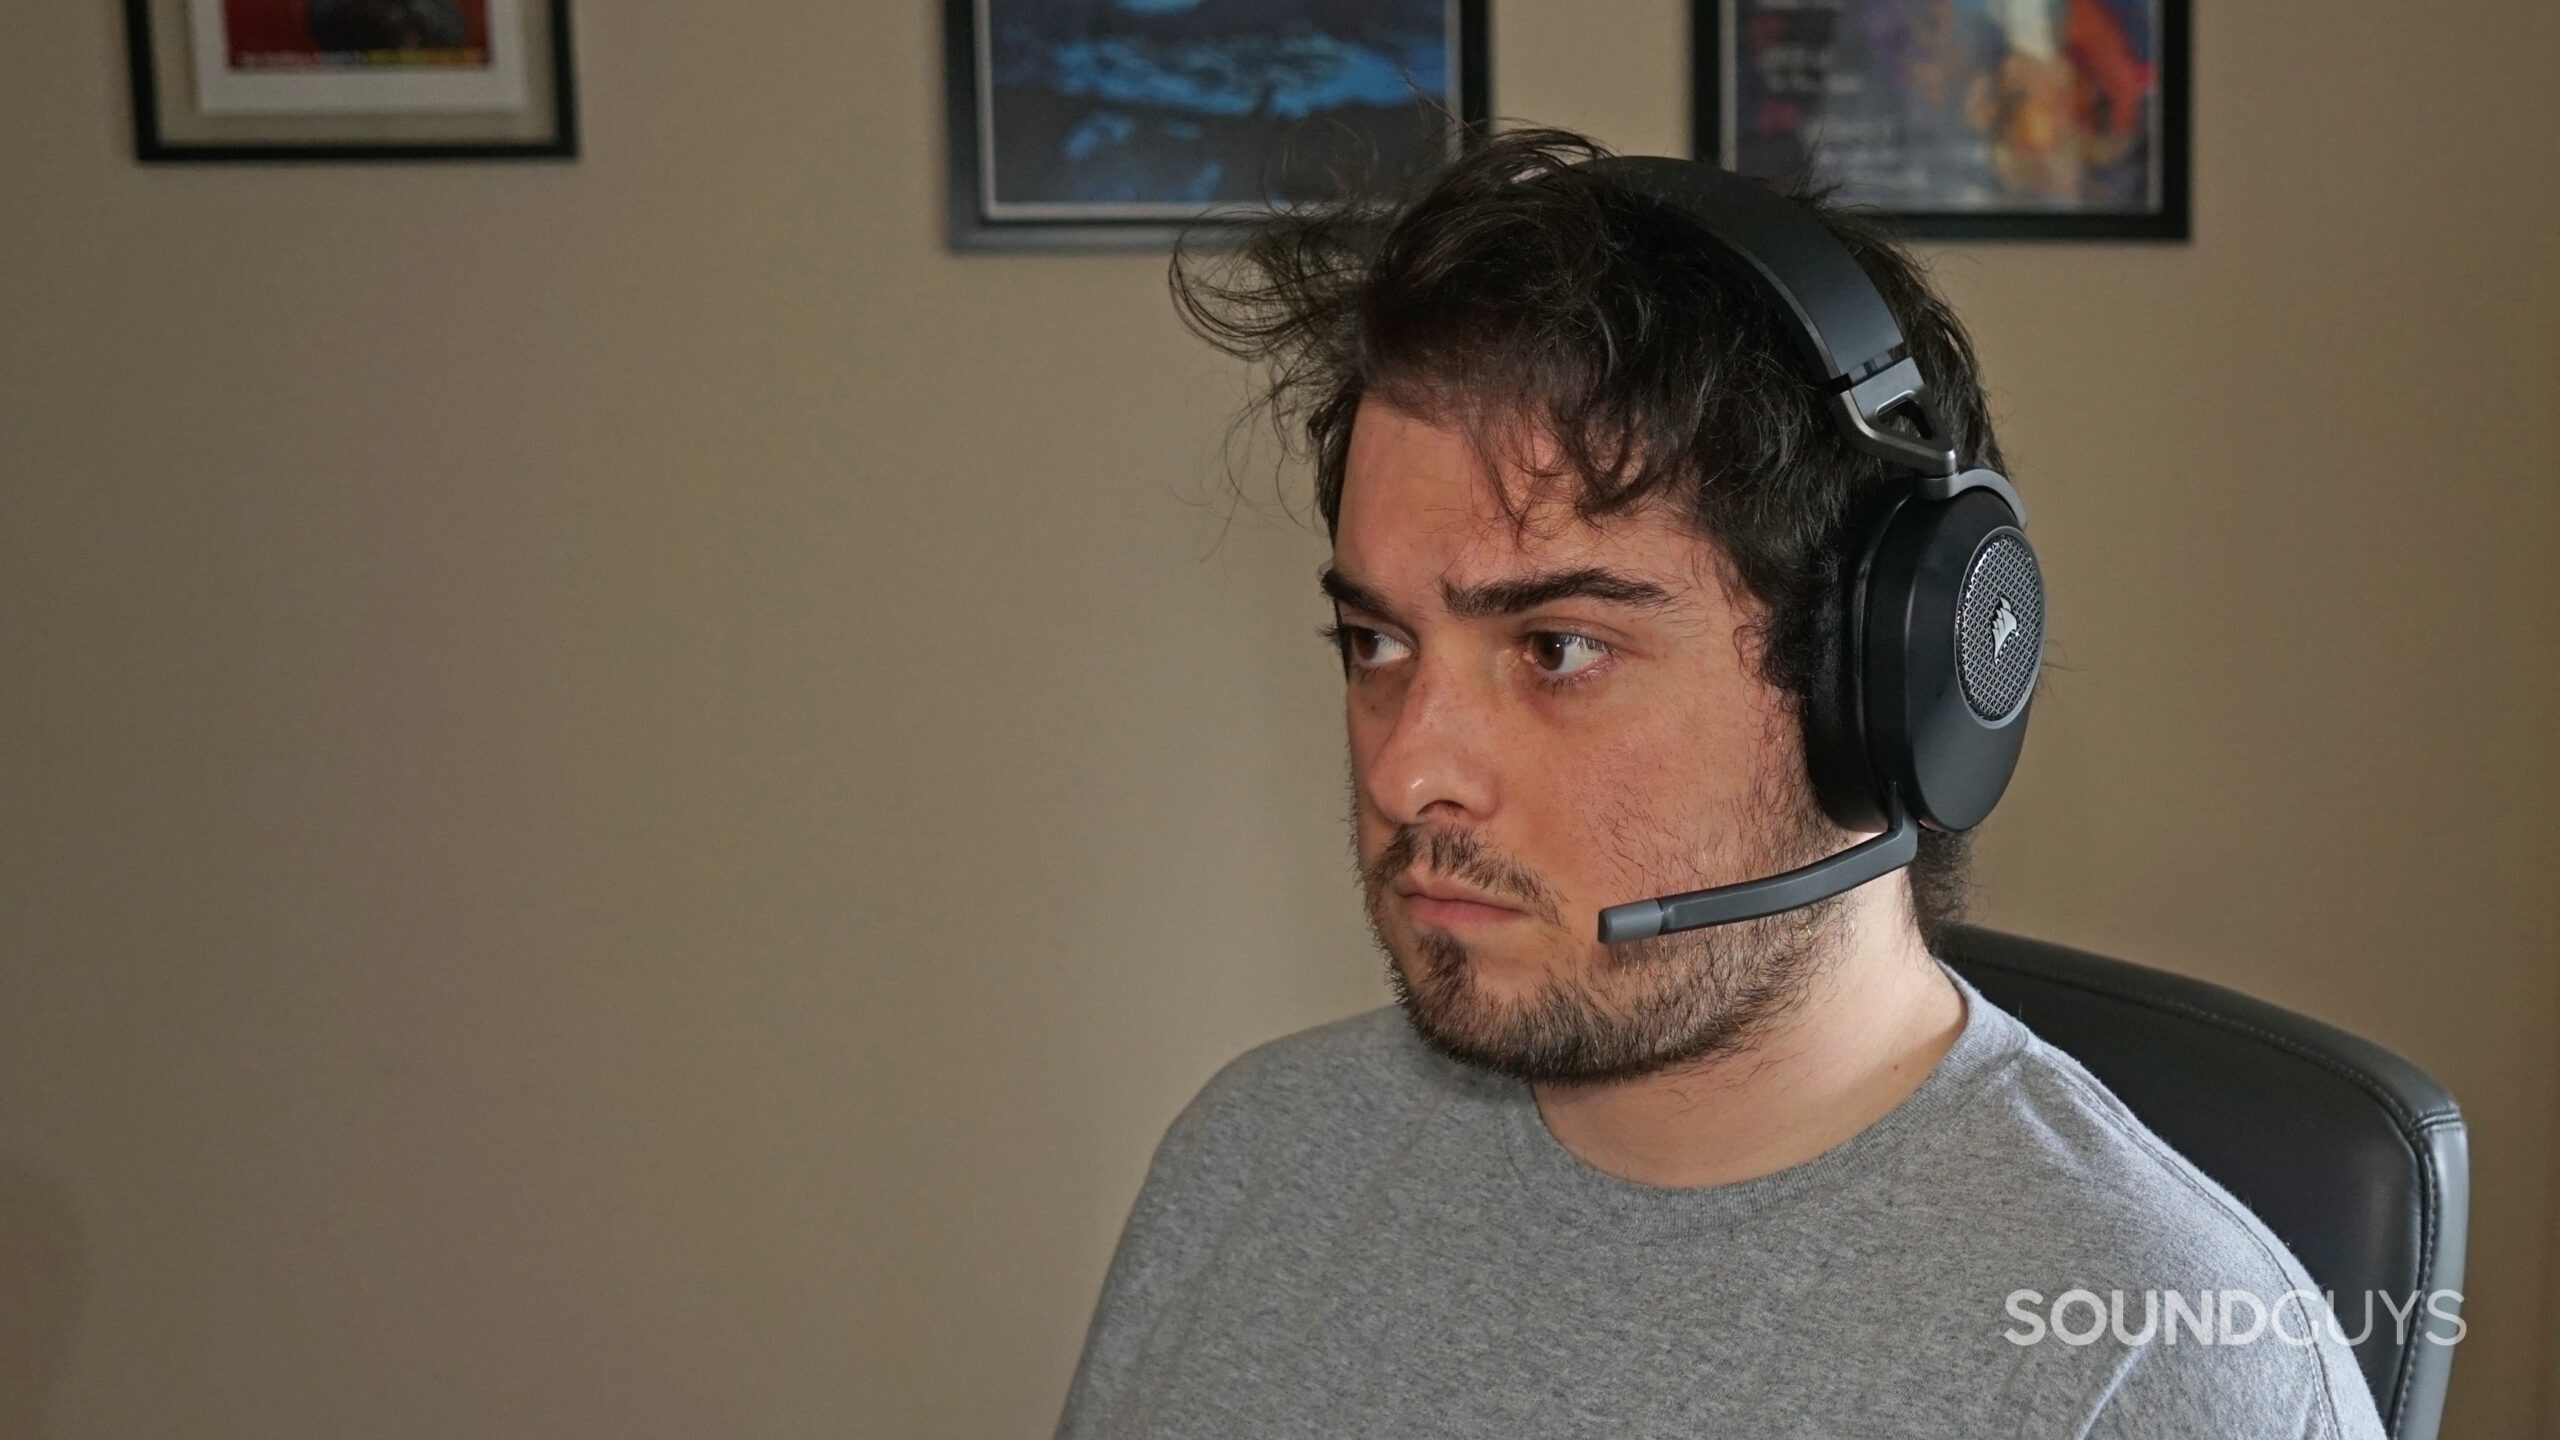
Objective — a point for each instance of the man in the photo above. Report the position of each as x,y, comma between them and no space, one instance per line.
1783,1177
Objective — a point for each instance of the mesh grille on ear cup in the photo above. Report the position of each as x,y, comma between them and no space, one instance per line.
2000,627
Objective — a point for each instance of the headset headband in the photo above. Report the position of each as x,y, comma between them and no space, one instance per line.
1843,333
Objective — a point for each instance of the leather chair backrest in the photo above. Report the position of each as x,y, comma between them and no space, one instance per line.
2354,1157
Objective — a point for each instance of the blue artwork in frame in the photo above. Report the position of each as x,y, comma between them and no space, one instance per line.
1119,122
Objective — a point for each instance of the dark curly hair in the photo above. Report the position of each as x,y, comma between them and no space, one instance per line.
1519,297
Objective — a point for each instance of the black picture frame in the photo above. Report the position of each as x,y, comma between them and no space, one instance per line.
2169,219
973,228
154,145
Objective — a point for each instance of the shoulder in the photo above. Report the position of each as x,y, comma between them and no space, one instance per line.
1281,1122
1322,1087
2201,1316
2076,1179
1322,1102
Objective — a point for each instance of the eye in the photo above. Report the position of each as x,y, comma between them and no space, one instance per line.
1366,649
1559,654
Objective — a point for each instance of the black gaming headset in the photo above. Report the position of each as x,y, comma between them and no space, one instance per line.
1920,719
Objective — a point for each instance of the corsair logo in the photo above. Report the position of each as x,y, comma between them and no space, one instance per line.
2004,624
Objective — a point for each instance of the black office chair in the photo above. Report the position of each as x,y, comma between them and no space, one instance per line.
2353,1156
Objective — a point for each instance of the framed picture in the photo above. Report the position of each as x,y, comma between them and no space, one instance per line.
351,79
1100,123
1961,119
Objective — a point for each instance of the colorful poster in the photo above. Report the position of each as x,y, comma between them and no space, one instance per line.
1951,106
356,56
354,34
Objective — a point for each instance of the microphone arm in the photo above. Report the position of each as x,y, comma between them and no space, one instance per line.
1793,890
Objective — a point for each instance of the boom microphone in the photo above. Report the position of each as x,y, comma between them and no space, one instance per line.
1773,895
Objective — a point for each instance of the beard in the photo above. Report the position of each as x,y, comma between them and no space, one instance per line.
1638,1008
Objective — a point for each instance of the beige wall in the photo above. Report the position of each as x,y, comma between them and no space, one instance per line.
629,794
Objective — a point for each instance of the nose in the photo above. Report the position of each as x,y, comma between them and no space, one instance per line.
1427,752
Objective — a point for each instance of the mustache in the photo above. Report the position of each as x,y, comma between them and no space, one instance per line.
1458,855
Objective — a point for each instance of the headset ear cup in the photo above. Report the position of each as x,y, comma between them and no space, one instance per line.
1953,636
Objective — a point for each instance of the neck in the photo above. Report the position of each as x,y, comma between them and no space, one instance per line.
1873,1024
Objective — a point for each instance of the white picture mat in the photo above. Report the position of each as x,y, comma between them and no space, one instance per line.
221,90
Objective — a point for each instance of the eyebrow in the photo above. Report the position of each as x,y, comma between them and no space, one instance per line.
1509,597
1350,594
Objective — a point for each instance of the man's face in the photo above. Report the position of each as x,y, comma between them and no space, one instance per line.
1547,718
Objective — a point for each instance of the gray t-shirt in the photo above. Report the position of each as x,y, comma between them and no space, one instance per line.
1346,1234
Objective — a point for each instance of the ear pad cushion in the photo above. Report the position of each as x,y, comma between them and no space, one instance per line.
1835,721
1950,646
